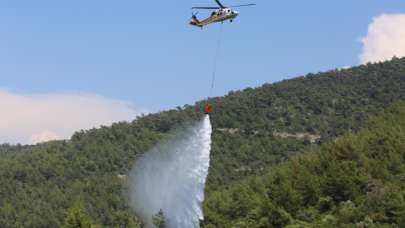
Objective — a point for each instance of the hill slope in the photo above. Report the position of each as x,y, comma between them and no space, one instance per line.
254,129
357,180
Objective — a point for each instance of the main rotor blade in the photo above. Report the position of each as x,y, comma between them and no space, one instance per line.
220,4
242,5
206,8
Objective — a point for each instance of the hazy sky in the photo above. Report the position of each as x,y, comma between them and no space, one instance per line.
146,54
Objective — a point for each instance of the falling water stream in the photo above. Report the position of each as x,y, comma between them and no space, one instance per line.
171,177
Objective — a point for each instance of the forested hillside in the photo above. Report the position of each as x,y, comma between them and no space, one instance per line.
357,181
253,129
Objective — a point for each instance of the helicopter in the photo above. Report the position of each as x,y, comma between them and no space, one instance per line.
222,13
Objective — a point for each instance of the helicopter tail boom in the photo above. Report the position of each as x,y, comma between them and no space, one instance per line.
195,22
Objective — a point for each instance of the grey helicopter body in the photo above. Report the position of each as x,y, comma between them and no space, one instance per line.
222,13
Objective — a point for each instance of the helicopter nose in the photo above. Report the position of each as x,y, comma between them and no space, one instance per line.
236,12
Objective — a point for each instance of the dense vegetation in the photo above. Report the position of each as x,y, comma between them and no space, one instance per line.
359,180
254,129
326,105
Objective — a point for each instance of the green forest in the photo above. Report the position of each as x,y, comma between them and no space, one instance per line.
356,181
323,149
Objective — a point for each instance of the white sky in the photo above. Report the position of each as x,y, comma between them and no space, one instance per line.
385,38
30,119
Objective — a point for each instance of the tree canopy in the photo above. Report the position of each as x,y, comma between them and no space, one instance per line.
254,130
357,181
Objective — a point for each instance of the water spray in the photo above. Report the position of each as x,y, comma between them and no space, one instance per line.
171,177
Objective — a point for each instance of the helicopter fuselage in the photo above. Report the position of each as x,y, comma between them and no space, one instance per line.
217,16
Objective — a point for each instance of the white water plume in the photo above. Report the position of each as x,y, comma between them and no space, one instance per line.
171,177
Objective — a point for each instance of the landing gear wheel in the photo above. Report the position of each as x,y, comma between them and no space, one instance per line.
231,21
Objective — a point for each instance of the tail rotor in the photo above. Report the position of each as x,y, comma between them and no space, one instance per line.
194,19
194,16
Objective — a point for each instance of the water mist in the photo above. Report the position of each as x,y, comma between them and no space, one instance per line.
171,177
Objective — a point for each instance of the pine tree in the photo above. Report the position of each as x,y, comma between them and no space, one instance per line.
77,217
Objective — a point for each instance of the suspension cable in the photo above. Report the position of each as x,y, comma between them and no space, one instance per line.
216,57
